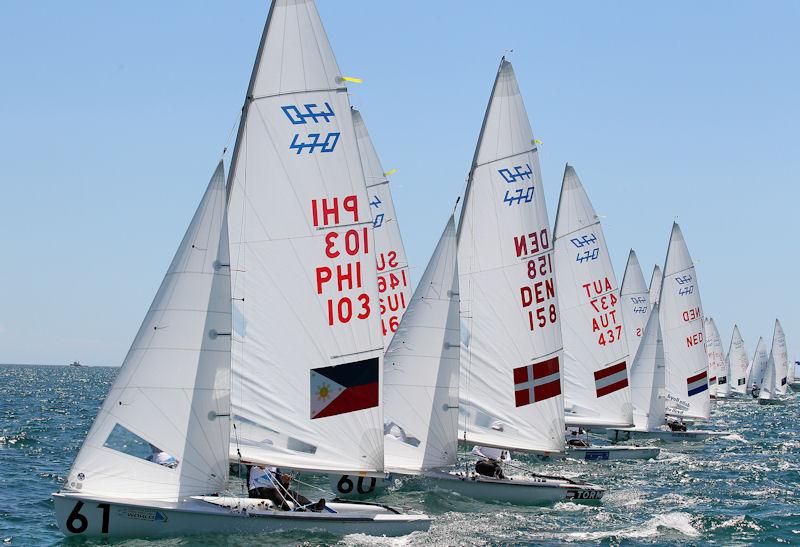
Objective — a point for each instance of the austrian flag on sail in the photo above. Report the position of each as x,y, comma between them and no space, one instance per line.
537,382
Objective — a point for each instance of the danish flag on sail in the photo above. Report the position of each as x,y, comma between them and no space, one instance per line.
610,379
697,383
537,382
344,388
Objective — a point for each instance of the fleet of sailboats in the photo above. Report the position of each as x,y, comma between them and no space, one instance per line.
285,333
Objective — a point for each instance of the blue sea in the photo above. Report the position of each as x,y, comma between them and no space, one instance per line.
737,490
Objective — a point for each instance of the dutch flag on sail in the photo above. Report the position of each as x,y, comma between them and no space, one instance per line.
537,382
610,379
697,383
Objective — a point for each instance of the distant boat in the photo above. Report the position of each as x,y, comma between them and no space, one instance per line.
738,364
773,387
75,364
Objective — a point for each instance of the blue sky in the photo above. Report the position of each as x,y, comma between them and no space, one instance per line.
114,114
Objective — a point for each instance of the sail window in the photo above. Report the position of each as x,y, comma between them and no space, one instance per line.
123,440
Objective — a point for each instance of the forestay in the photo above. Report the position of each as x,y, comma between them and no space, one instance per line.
656,279
635,303
738,363
511,354
596,391
169,402
682,328
716,359
647,377
394,289
421,370
308,352
781,358
758,366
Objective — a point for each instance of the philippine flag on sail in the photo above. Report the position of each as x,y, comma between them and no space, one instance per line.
537,382
697,383
610,379
344,388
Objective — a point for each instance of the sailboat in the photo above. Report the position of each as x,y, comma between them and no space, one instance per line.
738,363
635,303
773,387
596,389
792,378
511,353
717,368
297,360
656,279
758,369
686,363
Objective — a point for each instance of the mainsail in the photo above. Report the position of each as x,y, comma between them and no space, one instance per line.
308,352
767,388
635,303
510,384
781,357
656,279
421,370
716,359
596,360
647,377
682,328
758,366
394,289
170,400
738,363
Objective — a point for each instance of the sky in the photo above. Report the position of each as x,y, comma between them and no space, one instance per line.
113,116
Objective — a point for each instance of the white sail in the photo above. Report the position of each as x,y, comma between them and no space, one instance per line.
511,354
738,363
767,389
781,357
169,401
647,377
421,370
596,391
682,328
791,376
394,289
635,303
656,279
758,366
715,356
308,350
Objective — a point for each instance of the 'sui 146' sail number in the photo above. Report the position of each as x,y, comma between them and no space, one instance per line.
77,523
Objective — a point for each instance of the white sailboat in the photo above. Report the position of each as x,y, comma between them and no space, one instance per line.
394,283
656,279
773,387
792,377
686,363
717,368
596,389
738,363
635,303
757,369
511,353
183,375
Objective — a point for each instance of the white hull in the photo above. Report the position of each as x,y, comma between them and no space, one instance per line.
80,515
517,490
617,435
607,453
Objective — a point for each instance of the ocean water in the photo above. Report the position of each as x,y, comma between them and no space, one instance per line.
737,490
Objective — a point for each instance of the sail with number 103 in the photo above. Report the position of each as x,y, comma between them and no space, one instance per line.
308,351
511,355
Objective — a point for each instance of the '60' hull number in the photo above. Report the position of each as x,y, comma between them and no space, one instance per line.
362,486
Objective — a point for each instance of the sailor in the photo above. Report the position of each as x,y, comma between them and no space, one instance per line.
573,439
271,484
754,391
676,425
161,458
489,468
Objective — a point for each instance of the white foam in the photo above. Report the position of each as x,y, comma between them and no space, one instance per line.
680,522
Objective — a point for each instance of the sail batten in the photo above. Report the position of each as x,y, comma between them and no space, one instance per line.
308,352
510,384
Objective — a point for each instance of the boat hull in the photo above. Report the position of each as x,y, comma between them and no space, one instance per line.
80,515
516,490
609,453
692,435
770,401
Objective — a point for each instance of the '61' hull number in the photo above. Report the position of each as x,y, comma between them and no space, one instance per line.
77,523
